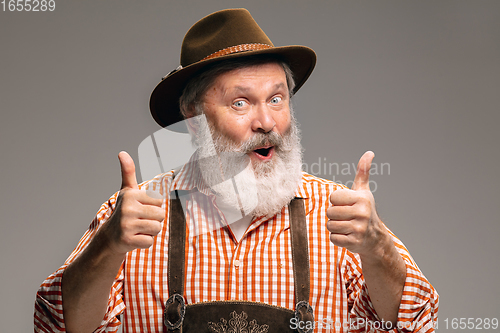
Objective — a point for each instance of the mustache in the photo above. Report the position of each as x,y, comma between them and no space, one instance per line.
281,142
260,140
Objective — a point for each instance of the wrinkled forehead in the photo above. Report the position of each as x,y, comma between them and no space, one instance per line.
251,77
194,91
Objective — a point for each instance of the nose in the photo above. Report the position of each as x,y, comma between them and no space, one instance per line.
263,120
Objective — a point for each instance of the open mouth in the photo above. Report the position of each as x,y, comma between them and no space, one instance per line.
264,152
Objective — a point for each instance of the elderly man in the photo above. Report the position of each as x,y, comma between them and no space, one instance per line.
239,238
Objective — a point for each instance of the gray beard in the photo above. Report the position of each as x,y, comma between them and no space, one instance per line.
260,188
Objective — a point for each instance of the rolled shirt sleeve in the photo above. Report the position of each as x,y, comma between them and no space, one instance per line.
49,316
419,302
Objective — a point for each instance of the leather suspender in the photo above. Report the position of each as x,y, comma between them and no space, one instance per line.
176,247
300,249
280,318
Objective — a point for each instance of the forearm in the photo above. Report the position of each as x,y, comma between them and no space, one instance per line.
384,271
86,286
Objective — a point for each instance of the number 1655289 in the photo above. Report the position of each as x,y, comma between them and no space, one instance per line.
28,5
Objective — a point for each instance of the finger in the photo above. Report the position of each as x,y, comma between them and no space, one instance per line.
154,194
152,213
143,212
142,241
341,213
339,227
341,240
362,179
145,198
343,197
147,227
127,166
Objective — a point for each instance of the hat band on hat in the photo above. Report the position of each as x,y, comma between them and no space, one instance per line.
238,48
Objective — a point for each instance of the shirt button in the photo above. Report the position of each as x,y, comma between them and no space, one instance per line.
237,263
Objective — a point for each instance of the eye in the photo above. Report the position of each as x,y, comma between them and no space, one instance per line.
276,100
240,104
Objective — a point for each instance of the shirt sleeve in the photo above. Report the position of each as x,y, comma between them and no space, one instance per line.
419,302
48,316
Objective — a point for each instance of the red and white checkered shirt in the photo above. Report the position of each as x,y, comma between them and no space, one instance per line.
257,268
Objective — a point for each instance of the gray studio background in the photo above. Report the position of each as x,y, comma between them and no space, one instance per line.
417,82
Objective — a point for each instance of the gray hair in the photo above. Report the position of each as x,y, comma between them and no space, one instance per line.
197,86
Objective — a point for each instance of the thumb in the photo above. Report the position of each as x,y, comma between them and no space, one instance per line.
128,170
362,179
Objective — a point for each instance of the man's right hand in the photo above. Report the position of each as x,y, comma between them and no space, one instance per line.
137,217
87,280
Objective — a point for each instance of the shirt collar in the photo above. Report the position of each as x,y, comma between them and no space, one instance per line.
189,177
300,192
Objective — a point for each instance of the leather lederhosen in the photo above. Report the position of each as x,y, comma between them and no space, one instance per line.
237,316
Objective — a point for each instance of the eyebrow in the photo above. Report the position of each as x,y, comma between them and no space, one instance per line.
277,86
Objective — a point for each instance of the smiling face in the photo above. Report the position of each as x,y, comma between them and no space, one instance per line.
250,100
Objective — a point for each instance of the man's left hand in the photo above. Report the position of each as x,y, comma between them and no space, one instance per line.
353,220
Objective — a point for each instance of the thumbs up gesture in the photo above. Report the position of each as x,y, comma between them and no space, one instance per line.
353,220
137,217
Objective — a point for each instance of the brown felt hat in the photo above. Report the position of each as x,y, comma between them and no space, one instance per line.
226,34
